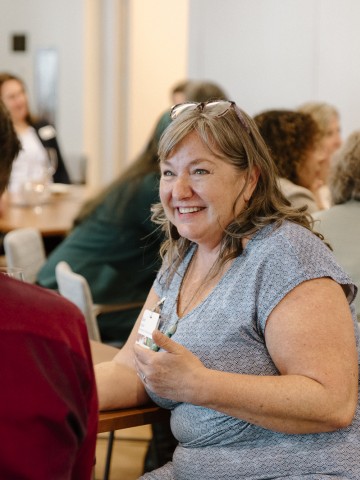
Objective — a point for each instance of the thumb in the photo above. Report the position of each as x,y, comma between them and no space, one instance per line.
164,342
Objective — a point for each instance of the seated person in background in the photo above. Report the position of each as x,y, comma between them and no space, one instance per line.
48,401
196,91
340,224
177,92
327,119
293,140
203,91
261,371
40,150
114,244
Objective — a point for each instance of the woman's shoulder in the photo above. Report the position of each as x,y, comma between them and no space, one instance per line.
289,242
350,208
289,188
278,232
297,195
44,129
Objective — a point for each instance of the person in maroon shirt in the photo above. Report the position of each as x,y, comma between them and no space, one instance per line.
48,400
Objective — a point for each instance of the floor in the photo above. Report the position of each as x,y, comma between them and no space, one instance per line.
129,450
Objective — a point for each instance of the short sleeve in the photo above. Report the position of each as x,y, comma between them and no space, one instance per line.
292,258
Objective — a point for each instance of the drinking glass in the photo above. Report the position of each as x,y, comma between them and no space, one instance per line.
53,161
13,272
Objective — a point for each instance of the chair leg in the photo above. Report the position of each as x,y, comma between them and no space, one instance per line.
108,455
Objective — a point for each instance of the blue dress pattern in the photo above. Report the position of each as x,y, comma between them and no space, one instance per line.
226,331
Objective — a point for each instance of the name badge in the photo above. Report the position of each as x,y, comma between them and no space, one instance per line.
149,323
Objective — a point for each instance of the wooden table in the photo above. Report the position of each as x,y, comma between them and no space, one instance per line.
125,417
131,417
54,218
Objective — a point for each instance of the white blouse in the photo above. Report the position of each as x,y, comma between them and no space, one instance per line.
31,163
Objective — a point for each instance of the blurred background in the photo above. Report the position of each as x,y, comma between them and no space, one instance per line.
102,70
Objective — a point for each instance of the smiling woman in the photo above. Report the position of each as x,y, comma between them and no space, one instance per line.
190,193
262,353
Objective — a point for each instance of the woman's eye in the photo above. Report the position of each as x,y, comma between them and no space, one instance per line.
167,173
200,171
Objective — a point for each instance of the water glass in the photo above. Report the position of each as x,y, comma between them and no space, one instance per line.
13,272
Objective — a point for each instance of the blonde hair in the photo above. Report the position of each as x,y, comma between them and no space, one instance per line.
322,113
345,173
227,138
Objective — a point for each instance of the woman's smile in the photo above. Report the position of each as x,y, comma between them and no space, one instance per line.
184,210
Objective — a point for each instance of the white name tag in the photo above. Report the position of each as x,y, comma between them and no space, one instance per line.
47,132
149,323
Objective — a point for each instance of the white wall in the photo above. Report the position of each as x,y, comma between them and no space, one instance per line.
280,53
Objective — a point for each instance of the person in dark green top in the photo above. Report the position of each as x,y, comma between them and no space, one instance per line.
114,244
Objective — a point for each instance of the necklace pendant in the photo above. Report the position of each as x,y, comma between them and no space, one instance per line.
170,332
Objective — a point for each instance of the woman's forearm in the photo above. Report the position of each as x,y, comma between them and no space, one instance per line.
287,403
118,386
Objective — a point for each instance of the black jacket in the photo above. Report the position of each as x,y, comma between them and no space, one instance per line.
47,136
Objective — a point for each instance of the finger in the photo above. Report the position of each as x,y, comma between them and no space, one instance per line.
164,342
142,355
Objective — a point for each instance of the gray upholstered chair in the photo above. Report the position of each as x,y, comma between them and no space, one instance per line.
24,248
75,288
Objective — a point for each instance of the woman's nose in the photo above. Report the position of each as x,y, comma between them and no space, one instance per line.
181,188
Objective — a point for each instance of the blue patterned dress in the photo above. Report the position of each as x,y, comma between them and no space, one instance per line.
226,331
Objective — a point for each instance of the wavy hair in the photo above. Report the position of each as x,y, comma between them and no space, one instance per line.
345,174
322,113
228,139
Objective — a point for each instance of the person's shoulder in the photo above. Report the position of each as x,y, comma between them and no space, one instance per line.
285,229
44,129
350,207
291,189
298,196
288,238
297,234
35,310
296,250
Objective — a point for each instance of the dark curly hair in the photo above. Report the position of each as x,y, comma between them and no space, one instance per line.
289,136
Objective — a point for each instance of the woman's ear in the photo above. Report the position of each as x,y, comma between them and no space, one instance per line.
252,182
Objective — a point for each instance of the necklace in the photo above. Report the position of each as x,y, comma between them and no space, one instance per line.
202,285
169,332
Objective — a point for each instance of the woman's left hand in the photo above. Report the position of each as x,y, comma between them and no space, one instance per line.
171,373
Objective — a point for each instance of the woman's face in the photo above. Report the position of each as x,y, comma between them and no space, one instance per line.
332,139
15,100
312,169
198,191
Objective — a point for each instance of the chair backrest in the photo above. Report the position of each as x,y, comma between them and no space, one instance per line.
75,288
24,248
